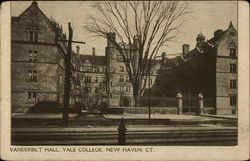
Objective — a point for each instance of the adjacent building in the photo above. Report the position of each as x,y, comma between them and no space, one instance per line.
210,68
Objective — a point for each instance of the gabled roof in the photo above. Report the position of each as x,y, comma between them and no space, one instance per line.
94,59
34,5
172,62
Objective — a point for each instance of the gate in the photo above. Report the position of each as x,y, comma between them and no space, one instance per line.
189,104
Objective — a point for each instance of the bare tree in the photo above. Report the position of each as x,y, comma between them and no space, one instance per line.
152,23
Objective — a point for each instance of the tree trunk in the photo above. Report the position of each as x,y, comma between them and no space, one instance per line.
136,93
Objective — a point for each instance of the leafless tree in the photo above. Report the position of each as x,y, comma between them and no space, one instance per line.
152,23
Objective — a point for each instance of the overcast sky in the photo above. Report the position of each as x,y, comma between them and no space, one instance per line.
205,17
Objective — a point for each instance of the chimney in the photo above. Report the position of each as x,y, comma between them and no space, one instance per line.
77,49
185,49
163,57
111,38
218,33
93,50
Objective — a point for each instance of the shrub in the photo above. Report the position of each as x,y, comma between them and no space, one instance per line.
46,107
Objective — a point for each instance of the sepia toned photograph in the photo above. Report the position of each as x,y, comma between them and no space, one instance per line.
134,73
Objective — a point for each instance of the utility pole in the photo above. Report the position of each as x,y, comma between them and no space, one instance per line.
67,62
68,74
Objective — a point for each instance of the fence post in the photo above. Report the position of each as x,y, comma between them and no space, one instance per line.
122,133
200,104
179,103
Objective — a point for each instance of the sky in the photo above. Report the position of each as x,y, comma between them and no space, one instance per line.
205,17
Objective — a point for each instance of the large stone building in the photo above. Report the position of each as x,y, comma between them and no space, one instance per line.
101,80
210,68
36,59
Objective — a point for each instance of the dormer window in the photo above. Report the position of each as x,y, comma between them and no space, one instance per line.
33,36
232,33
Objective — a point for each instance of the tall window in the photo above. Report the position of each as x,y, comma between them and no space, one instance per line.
121,68
121,88
233,68
88,89
32,75
233,100
32,96
60,79
33,36
33,56
128,89
96,89
87,79
96,79
95,69
232,52
127,78
233,84
121,79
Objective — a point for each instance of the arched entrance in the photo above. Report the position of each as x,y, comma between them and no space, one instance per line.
125,102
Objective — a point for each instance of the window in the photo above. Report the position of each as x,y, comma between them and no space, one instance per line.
121,88
111,83
233,84
87,79
121,68
95,69
33,56
233,52
104,79
88,89
29,94
121,79
32,95
96,89
32,75
33,36
233,68
103,70
128,89
119,57
233,100
60,79
90,69
96,79
127,78
61,62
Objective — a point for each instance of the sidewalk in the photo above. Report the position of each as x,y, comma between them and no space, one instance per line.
40,115
171,117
